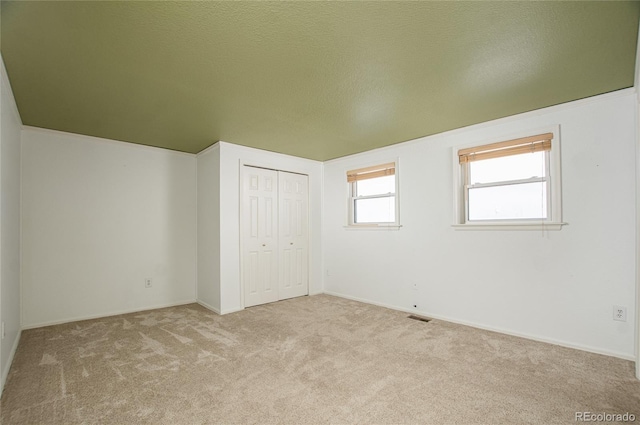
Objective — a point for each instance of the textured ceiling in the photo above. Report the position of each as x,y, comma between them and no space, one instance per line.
313,79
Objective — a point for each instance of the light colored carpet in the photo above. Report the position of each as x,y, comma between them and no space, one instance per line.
309,360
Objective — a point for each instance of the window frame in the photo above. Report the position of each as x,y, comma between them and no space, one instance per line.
552,177
352,198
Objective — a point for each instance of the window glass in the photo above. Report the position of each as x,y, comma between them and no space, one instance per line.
377,186
508,168
516,201
375,210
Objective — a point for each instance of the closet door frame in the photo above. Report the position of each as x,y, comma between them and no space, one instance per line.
274,167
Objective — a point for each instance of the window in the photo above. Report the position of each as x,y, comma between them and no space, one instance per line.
372,196
511,182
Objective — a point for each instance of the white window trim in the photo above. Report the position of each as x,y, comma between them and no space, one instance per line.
554,222
374,226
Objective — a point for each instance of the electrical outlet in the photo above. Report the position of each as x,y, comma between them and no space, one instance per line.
147,282
2,332
620,313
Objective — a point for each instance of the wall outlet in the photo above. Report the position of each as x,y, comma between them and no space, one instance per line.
147,282
620,313
2,332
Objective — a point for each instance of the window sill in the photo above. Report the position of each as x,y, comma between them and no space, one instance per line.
510,226
373,227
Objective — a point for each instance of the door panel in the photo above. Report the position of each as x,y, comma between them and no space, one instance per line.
260,235
294,238
286,269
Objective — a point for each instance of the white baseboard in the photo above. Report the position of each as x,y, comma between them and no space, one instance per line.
581,347
9,361
208,306
100,316
231,310
218,311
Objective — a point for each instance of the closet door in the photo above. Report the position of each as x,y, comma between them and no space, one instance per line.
260,235
294,235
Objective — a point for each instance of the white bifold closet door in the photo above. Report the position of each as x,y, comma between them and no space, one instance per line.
275,235
294,235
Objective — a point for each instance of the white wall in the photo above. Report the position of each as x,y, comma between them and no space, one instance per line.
558,286
209,228
99,217
10,126
231,157
637,87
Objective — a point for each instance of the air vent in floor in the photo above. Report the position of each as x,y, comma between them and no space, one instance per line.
420,318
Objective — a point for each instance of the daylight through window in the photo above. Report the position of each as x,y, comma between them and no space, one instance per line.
373,195
508,180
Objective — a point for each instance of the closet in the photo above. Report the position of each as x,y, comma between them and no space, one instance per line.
274,235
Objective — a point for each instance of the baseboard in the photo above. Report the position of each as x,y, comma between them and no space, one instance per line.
12,353
231,310
208,307
100,316
581,347
218,311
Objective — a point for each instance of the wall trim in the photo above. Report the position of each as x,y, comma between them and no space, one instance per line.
9,361
105,315
197,238
269,165
218,311
496,122
208,306
491,328
231,310
102,139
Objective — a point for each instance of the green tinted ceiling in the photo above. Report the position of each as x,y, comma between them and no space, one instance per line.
313,79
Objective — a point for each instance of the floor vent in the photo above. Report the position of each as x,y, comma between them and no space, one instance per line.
420,318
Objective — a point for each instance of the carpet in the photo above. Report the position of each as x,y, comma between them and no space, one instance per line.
309,360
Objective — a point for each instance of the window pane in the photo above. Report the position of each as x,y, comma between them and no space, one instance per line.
516,201
515,167
377,186
375,210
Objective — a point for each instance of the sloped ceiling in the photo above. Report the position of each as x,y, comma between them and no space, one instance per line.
313,79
